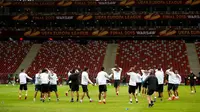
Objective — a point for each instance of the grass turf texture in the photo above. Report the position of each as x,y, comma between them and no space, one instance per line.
9,101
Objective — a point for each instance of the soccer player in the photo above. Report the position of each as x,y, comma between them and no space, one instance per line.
37,84
44,83
160,76
117,75
178,82
171,83
124,80
152,82
13,79
74,77
192,79
145,74
84,82
139,82
9,79
69,82
101,81
132,84
23,83
53,83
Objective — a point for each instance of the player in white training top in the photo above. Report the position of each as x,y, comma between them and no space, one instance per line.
69,83
37,84
177,83
145,74
160,76
23,83
132,83
44,83
101,80
171,82
84,82
139,82
117,77
53,83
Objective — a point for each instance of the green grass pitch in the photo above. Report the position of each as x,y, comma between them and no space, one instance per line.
9,101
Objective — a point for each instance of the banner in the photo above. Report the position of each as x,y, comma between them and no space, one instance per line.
103,33
151,16
63,3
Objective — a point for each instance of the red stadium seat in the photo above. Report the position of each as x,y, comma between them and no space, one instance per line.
152,53
62,56
12,55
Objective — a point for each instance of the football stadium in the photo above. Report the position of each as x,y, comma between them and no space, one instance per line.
99,55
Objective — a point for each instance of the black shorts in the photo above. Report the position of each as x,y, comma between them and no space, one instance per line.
170,87
53,88
102,88
131,89
70,85
37,87
160,88
138,85
23,87
144,86
150,92
45,88
116,83
175,87
192,84
85,88
75,87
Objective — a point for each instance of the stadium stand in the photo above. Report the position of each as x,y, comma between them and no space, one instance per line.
197,44
153,53
12,54
62,56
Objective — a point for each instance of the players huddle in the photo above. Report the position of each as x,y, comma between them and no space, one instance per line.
45,81
151,82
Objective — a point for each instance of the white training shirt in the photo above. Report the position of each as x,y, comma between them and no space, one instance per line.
178,79
160,76
69,73
85,79
139,78
37,79
102,78
53,79
144,75
171,77
133,78
117,74
44,78
22,78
